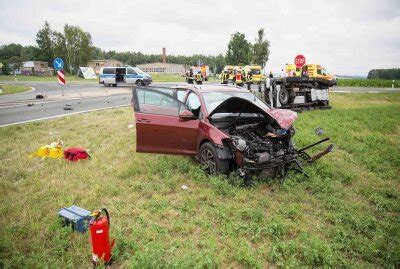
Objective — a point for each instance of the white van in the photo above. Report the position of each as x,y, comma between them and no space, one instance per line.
113,76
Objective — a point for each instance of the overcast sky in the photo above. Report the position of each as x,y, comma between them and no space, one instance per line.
347,37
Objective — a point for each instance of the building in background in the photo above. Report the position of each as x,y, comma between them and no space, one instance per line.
166,68
163,67
35,68
98,64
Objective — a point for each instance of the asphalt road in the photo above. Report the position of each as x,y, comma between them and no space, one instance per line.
81,97
75,98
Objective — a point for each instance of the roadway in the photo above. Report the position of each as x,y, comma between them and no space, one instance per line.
81,97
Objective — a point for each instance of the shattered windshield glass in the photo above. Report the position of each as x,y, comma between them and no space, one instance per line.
214,99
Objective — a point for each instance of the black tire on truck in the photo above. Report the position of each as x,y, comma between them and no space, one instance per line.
286,96
139,82
283,96
209,160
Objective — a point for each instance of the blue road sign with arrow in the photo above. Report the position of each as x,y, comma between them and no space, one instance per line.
58,64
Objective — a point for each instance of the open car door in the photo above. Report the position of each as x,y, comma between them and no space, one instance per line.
162,124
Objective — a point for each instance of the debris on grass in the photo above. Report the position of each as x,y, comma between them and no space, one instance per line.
54,150
76,154
319,131
76,217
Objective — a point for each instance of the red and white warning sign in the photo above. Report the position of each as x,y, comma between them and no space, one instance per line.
61,77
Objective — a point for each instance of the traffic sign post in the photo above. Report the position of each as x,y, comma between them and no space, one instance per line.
299,61
58,65
61,80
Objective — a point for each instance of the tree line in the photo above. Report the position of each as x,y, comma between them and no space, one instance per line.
393,73
74,45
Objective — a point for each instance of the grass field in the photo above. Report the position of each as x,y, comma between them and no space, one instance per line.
380,83
345,215
10,89
53,78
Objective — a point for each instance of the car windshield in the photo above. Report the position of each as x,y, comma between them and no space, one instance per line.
214,99
255,71
138,70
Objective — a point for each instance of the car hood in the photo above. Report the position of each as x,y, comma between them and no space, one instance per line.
283,117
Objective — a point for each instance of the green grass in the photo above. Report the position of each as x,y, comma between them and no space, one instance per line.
345,215
52,79
380,83
10,89
167,78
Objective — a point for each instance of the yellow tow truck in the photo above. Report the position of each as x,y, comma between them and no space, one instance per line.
301,88
256,76
309,70
255,73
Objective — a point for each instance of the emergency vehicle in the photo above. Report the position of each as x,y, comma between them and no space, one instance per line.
297,91
309,70
128,75
255,73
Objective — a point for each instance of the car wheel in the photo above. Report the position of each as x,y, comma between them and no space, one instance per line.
139,83
210,162
106,85
283,96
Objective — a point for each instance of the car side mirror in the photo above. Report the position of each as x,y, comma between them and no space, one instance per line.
186,115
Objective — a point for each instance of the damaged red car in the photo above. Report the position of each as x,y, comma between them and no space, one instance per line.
226,128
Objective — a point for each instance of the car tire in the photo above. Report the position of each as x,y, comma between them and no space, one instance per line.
283,96
209,160
139,83
106,85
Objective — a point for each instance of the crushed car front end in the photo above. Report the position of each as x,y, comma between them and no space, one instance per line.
260,138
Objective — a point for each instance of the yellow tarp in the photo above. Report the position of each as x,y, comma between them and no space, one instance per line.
54,150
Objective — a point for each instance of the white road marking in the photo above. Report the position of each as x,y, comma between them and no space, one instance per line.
373,92
63,115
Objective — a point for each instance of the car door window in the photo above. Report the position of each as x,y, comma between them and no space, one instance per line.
194,105
157,102
181,94
109,71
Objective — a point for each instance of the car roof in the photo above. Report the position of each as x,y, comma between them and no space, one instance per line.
212,88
